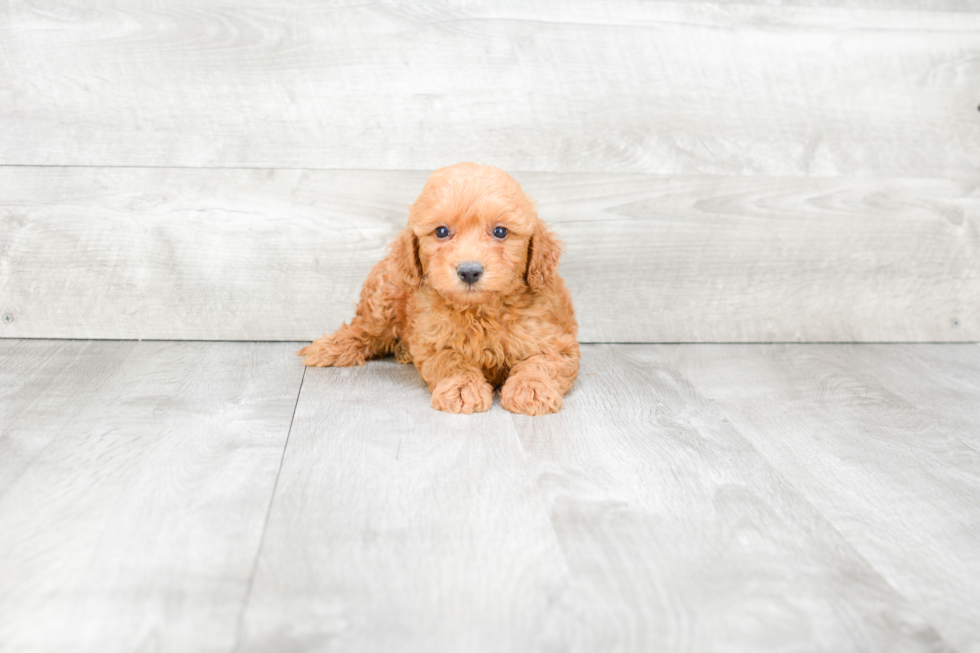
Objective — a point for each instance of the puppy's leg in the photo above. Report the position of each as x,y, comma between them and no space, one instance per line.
370,334
457,385
536,385
348,346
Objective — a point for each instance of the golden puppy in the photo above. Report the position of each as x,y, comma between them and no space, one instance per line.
470,294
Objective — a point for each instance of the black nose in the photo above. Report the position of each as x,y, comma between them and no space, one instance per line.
470,272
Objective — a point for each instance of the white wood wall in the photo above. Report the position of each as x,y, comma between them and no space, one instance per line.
719,171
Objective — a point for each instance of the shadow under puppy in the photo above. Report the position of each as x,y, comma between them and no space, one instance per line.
470,294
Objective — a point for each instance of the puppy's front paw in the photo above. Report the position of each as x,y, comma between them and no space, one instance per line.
462,394
530,396
333,351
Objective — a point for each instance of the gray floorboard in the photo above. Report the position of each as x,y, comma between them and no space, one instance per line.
399,528
681,537
135,479
897,473
687,498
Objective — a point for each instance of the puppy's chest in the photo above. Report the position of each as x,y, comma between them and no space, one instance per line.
492,340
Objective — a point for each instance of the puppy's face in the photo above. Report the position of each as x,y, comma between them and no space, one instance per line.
473,225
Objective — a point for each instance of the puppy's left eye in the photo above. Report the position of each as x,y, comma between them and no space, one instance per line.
442,232
500,232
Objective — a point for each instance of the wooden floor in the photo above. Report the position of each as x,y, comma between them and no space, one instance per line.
192,496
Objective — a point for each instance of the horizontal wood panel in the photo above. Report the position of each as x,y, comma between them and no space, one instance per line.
653,87
281,255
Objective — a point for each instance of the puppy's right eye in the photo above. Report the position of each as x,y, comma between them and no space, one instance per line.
442,232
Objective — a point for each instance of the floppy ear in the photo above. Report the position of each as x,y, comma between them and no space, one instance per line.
404,258
542,257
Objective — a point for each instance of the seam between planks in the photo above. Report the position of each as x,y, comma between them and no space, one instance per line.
514,171
265,525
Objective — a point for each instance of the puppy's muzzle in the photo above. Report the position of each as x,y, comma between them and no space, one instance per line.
469,272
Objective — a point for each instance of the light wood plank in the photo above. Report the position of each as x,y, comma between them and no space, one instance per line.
191,254
660,504
135,479
399,528
590,86
941,382
900,480
281,254
43,390
637,519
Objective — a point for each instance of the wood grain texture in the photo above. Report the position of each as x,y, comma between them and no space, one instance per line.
688,497
860,88
281,254
44,387
942,382
135,479
399,528
637,519
660,504
895,473
191,254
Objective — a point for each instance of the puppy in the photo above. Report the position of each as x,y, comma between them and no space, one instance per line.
470,294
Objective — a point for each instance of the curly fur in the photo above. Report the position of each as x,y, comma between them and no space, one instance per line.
514,329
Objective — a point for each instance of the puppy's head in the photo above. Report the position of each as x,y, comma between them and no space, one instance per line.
476,235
